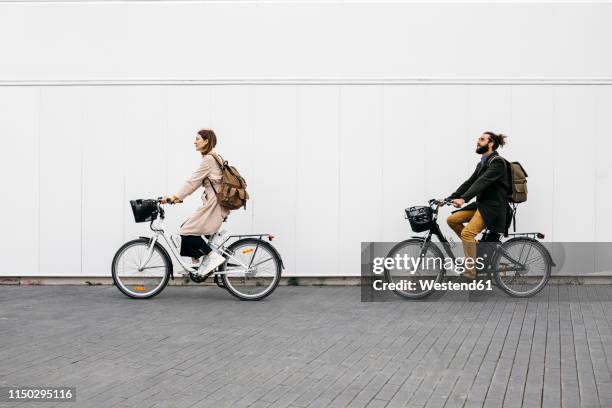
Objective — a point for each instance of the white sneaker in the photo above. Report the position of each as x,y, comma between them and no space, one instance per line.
212,261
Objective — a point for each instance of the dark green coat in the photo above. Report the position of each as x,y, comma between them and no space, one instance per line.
489,184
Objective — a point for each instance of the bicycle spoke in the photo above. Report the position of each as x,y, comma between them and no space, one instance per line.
135,280
413,249
523,278
253,281
261,262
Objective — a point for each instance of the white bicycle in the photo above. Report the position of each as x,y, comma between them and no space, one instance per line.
142,267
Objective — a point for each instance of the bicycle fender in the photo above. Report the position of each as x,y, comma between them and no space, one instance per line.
552,263
277,254
548,255
268,245
165,254
275,251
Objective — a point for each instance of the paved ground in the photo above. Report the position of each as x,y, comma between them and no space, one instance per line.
306,346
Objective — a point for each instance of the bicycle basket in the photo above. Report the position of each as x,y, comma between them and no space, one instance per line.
144,210
421,218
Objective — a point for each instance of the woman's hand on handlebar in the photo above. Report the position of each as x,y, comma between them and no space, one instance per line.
170,200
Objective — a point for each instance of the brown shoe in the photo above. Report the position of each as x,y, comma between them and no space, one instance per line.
471,275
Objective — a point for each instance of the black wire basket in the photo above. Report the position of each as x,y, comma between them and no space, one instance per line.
144,210
420,218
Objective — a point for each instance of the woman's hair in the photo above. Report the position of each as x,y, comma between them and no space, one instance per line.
497,139
208,134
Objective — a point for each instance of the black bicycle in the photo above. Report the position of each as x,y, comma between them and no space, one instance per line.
520,266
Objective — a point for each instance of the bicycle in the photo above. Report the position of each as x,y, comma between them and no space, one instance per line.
509,263
141,268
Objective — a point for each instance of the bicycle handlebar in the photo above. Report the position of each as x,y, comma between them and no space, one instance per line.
440,203
159,200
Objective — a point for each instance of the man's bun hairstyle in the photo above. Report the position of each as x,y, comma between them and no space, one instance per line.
497,139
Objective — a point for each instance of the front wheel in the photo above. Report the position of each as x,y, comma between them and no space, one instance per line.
522,267
252,270
423,267
137,277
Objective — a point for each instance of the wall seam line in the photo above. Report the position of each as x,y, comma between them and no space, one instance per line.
311,81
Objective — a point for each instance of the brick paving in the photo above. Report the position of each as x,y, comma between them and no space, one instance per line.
309,347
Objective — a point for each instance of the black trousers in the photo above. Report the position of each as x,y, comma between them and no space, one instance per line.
194,246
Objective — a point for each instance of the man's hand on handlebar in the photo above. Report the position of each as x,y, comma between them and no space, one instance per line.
440,202
458,202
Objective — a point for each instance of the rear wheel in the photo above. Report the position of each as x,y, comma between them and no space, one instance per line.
428,273
131,278
261,273
528,253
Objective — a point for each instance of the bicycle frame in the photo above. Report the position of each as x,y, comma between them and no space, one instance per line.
160,231
499,250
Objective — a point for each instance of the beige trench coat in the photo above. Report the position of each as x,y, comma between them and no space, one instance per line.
208,218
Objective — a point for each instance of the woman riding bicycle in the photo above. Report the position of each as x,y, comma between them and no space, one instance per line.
208,218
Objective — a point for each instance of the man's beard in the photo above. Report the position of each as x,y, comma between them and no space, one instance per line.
482,149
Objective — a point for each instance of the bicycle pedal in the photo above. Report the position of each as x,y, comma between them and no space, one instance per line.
197,278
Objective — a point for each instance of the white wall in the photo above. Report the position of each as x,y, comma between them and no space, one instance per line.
237,40
97,108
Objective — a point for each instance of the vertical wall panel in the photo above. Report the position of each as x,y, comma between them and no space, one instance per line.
531,142
19,178
318,183
489,109
403,143
603,176
145,127
230,117
274,172
602,144
61,137
449,149
103,198
361,119
574,175
574,164
188,110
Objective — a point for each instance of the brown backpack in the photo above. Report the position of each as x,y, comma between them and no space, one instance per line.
232,194
517,177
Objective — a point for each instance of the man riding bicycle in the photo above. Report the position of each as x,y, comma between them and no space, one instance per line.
490,185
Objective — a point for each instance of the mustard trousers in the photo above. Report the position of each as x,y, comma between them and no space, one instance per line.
467,233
